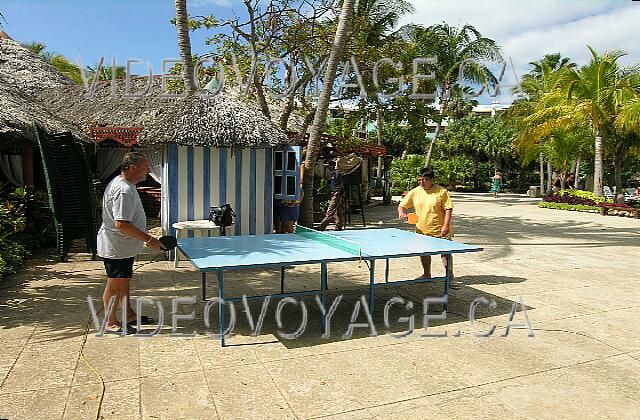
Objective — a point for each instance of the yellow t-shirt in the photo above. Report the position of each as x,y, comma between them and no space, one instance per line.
430,207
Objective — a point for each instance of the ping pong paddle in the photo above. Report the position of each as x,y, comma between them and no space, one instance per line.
412,218
168,242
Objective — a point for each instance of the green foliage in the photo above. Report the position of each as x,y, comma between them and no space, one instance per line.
570,207
404,173
24,219
452,171
583,194
12,256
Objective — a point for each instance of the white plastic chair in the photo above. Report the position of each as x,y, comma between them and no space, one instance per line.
608,194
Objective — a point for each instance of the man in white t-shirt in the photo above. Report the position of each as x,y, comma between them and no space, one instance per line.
122,235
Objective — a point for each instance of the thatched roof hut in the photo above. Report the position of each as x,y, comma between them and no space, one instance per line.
27,72
224,120
18,112
23,78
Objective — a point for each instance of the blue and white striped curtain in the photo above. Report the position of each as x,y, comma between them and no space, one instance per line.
195,178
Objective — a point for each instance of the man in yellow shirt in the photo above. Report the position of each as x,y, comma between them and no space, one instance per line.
434,208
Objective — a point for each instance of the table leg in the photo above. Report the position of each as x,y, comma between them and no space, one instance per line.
386,271
282,279
372,281
176,259
221,312
203,285
446,282
323,296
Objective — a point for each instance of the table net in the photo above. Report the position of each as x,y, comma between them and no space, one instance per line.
345,245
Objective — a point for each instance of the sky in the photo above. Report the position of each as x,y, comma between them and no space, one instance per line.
88,29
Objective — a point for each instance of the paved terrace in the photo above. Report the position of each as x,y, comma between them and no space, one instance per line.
576,272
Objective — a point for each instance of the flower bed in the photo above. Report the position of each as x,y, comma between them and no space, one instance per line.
570,207
574,200
575,197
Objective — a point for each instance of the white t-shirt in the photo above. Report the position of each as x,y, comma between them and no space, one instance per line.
120,202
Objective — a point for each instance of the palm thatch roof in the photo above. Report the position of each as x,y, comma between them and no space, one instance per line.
23,78
226,120
223,120
18,112
220,121
27,72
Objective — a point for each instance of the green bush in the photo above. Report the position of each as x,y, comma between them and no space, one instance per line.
570,207
12,256
588,195
404,173
450,172
24,225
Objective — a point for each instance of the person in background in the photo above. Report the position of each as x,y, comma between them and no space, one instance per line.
434,209
569,183
334,211
496,183
122,236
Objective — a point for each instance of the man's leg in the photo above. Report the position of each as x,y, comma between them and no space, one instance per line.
444,264
426,266
117,288
331,211
339,214
288,226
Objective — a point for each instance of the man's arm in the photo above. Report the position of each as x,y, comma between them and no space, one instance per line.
129,229
401,213
446,226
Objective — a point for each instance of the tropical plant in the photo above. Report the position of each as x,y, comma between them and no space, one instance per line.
590,97
541,79
60,62
404,172
455,48
561,149
320,116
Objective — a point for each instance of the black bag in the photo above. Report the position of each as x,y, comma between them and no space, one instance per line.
222,216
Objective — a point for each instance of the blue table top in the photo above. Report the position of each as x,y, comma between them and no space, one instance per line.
251,251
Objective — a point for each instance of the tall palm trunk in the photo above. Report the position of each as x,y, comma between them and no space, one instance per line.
576,176
427,161
542,190
549,178
598,170
379,135
184,43
443,107
618,160
322,108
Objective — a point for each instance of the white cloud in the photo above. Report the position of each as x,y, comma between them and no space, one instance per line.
208,3
528,31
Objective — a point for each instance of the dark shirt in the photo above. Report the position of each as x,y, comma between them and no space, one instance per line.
335,183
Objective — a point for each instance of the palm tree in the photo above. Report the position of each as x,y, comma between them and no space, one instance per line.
379,17
184,44
561,149
322,107
454,47
376,19
60,62
589,97
542,79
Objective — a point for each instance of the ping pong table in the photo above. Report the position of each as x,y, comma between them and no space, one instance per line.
307,246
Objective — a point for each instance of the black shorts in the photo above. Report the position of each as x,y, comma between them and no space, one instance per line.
118,269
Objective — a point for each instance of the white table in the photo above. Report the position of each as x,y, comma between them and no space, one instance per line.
192,225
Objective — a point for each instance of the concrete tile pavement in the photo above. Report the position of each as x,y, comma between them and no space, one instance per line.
567,267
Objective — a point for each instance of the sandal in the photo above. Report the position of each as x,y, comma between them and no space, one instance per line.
144,320
119,331
456,286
